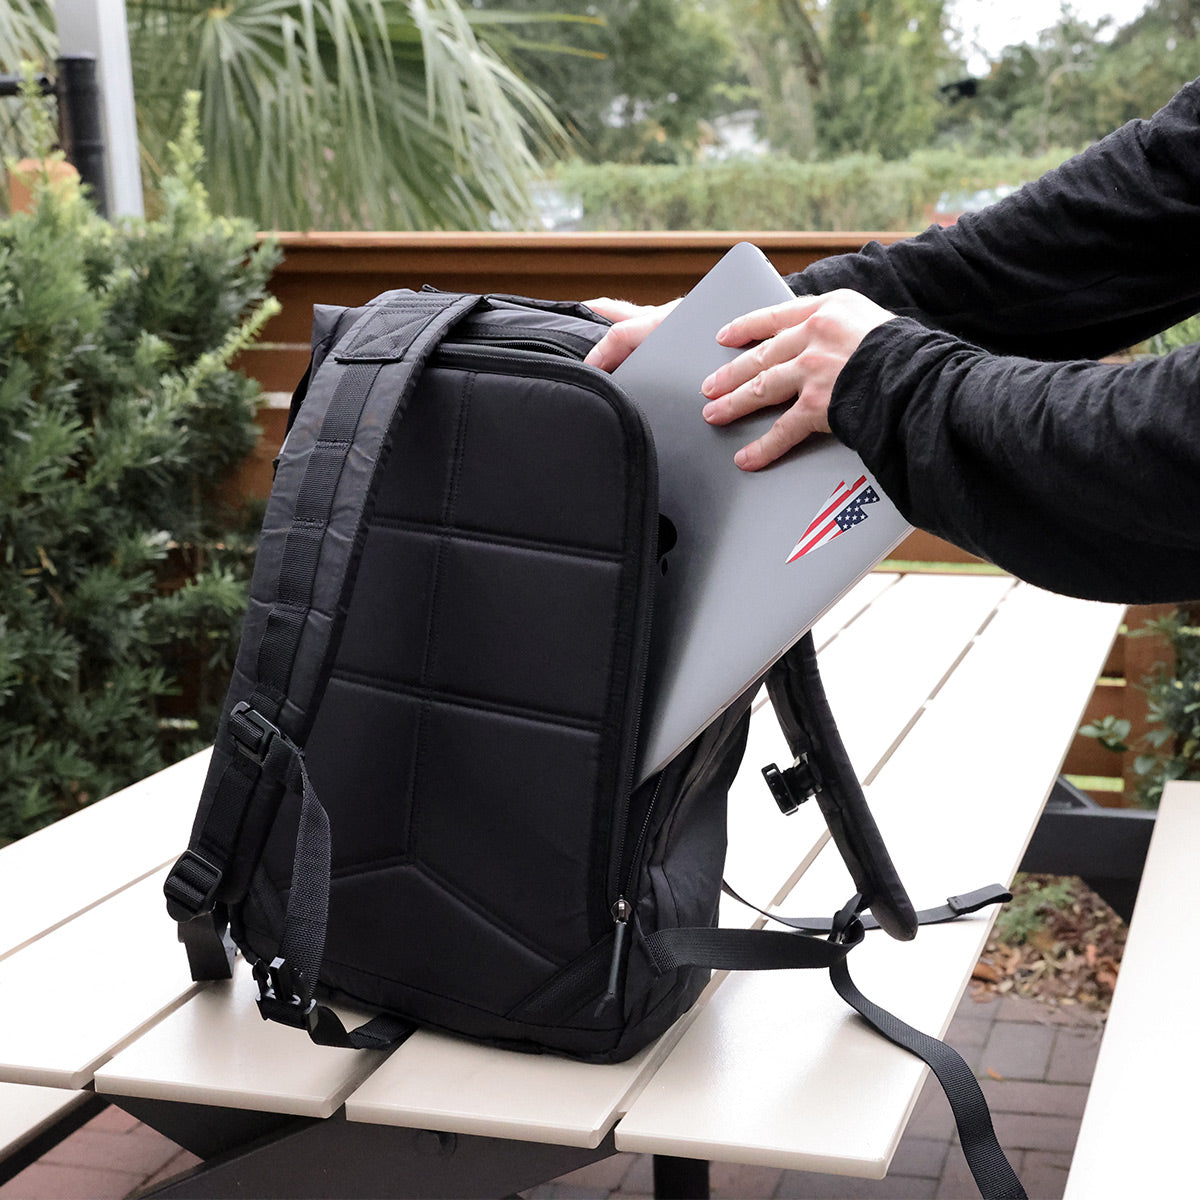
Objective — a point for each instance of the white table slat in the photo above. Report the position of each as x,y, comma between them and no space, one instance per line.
895,655
51,875
1139,1127
776,1070
71,1000
26,1111
849,607
217,1050
878,671
438,1082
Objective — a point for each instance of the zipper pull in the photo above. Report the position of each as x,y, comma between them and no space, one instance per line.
622,910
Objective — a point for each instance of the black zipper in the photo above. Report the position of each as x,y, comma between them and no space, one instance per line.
622,909
565,347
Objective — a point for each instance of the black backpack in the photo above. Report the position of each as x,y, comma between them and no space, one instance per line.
446,642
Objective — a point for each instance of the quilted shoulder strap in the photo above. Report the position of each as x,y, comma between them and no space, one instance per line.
304,571
822,770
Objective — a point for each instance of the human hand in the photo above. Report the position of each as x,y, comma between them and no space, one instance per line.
633,322
803,344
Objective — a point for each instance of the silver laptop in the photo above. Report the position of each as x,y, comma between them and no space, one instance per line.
757,557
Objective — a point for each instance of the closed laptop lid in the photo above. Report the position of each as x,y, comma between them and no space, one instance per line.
758,556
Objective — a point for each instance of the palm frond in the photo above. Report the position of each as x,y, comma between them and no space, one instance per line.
343,113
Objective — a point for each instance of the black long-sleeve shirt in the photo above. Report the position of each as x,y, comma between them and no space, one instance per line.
982,411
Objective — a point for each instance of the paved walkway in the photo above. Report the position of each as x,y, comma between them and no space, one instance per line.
1034,1064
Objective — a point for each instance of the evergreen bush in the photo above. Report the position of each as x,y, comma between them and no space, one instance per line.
858,191
120,572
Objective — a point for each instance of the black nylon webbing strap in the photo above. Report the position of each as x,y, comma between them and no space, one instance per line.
955,907
990,1168
354,400
742,950
769,950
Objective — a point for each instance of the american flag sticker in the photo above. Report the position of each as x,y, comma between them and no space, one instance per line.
843,510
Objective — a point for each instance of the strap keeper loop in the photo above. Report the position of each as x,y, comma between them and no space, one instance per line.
191,887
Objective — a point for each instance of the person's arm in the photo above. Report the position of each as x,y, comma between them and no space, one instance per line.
1082,477
1092,257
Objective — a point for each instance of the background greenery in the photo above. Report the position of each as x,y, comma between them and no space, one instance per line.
858,191
442,114
120,569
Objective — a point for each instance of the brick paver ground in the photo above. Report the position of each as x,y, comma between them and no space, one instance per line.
1034,1064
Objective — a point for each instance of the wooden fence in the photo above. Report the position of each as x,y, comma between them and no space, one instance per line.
648,268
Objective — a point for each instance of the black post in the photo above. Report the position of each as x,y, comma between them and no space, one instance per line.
80,125
680,1178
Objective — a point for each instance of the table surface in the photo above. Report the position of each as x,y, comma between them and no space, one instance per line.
1140,1096
930,677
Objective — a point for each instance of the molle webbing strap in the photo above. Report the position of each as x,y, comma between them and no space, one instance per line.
303,576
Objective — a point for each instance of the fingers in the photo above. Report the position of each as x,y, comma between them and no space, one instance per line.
768,374
614,310
767,322
633,325
805,344
793,426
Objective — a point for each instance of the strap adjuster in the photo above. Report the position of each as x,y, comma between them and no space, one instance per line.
252,733
971,902
793,785
191,887
279,996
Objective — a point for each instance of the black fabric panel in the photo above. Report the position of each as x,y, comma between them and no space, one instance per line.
398,930
503,811
542,442
385,628
363,747
523,628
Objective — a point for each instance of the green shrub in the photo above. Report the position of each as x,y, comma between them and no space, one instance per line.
857,192
119,415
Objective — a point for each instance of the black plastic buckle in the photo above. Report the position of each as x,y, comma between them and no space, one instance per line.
209,945
970,902
251,731
279,996
793,785
847,927
191,887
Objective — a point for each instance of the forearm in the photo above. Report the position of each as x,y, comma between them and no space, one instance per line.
1094,256
1081,477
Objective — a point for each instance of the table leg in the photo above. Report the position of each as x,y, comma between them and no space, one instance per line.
336,1159
680,1178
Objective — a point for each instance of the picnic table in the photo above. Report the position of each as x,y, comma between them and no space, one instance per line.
928,675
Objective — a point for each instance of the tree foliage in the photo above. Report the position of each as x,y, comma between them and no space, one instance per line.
119,415
636,81
1079,80
337,114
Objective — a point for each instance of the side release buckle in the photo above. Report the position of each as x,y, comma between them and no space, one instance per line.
279,996
793,785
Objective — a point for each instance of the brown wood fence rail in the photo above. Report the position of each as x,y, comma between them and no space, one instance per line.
648,268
